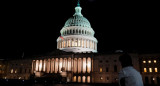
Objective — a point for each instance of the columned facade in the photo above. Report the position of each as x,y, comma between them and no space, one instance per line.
79,67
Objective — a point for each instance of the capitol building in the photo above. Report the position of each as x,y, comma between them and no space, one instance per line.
77,59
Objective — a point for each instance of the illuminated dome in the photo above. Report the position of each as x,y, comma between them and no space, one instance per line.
77,35
77,21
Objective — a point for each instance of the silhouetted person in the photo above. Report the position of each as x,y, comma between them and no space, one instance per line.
129,76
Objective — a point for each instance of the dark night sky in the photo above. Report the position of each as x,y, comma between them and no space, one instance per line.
33,26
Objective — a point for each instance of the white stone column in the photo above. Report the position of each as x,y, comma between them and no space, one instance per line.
84,43
75,65
56,65
84,65
88,65
40,65
32,66
60,64
37,65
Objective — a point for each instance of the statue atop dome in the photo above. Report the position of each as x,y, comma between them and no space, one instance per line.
78,9
78,3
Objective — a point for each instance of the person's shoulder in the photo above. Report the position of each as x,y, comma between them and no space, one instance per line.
121,71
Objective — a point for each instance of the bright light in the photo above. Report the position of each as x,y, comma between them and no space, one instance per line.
40,65
74,79
101,77
83,79
156,70
150,69
89,65
155,61
149,61
144,61
11,70
88,79
100,70
153,78
145,70
84,65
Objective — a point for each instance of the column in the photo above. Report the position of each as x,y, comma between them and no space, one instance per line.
84,65
32,66
79,65
96,46
60,65
75,65
84,43
56,65
37,65
48,65
81,42
69,64
44,64
52,65
40,65
88,65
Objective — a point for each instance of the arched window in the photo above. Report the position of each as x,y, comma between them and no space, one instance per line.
82,32
64,32
79,31
67,31
73,31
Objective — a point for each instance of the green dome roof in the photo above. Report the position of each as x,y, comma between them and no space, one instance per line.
77,21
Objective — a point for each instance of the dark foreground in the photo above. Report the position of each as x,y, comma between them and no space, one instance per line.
6,82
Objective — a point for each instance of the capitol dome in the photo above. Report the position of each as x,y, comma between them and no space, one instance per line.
77,35
77,21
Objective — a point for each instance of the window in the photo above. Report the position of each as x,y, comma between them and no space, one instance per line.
74,79
107,78
149,61
144,61
146,80
145,70
115,68
155,61
100,61
155,69
11,70
15,71
106,69
100,70
76,43
79,78
25,71
150,69
83,79
101,78
88,79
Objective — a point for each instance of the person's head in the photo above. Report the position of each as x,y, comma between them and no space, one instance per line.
125,60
